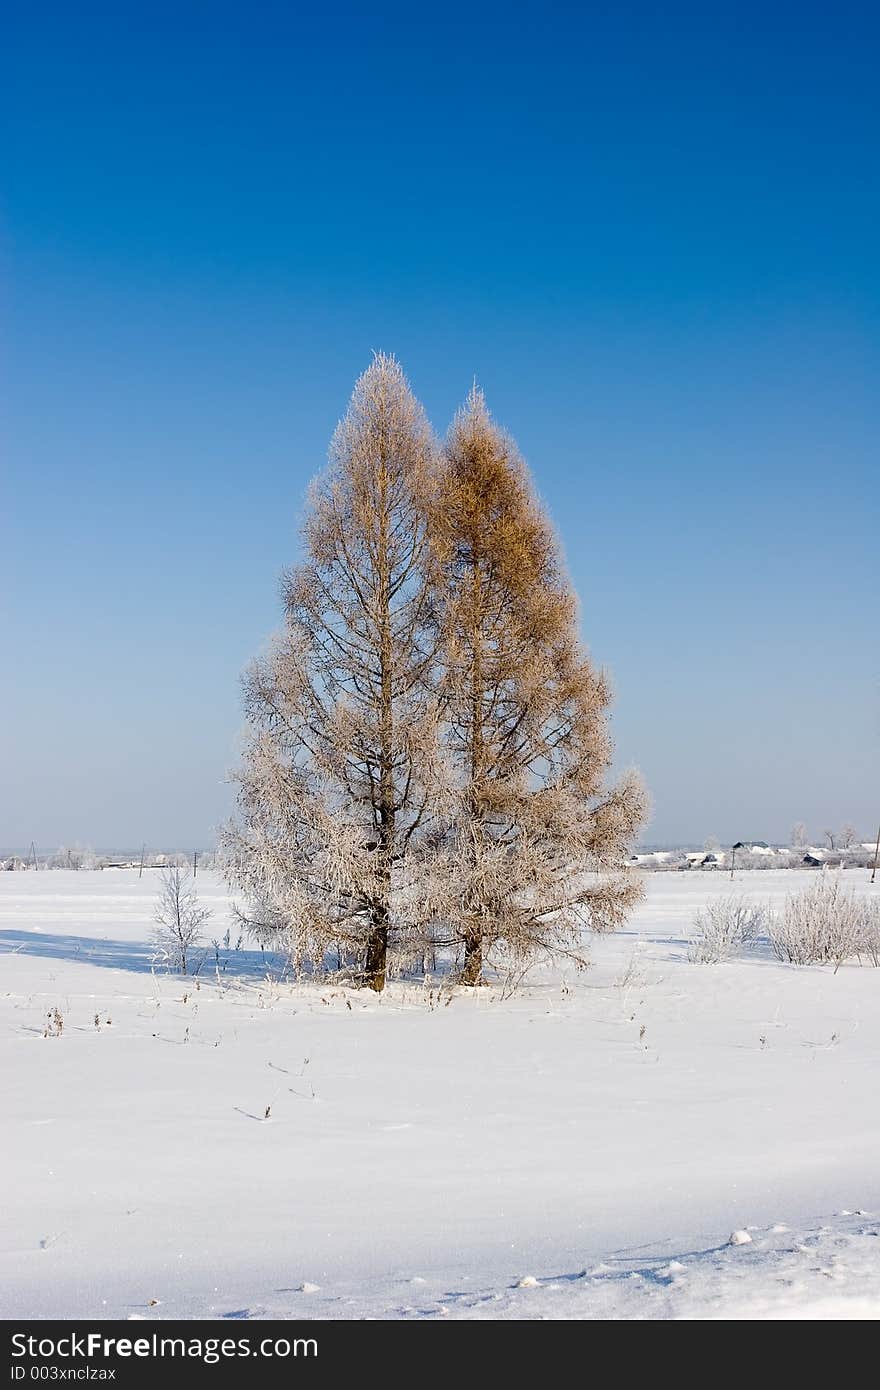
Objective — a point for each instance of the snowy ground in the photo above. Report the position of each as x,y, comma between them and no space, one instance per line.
598,1136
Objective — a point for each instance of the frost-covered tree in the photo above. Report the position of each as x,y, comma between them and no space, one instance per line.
66,858
799,835
340,782
536,844
179,919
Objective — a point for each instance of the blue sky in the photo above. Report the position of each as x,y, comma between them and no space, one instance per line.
650,233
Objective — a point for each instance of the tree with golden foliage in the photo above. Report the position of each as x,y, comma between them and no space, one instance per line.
535,846
341,779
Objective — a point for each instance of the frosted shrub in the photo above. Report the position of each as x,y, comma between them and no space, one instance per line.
724,927
868,943
824,923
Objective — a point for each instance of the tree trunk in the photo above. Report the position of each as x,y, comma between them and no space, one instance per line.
472,969
377,946
377,951
473,938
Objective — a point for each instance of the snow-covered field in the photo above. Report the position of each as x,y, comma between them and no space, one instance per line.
583,1149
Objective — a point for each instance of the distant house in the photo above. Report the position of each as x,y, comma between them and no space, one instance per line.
703,859
755,846
650,859
822,859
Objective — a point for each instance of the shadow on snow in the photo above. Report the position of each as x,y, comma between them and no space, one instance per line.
137,957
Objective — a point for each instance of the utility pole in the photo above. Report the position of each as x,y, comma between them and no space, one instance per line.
876,857
32,855
195,861
141,869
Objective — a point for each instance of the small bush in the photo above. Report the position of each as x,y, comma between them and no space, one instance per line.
825,923
724,927
868,943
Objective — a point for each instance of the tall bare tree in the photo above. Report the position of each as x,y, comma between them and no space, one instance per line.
341,779
536,843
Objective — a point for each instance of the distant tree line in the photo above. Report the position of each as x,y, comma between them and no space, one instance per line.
78,857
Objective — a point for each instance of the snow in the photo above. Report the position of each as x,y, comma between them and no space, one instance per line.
583,1149
832,1272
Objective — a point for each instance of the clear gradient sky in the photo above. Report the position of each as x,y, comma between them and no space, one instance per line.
651,232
